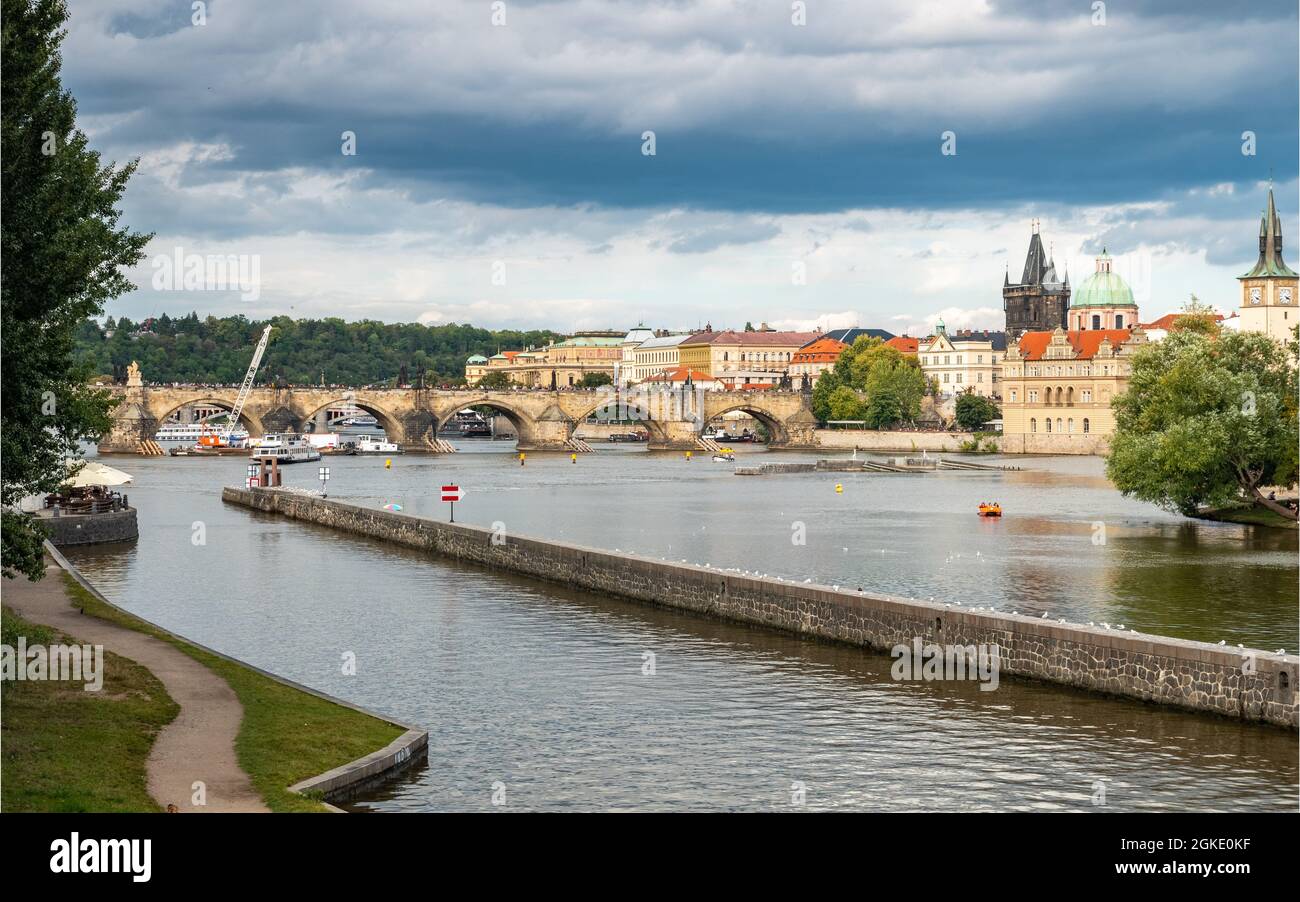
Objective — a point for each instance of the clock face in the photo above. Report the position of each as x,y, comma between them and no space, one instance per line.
1284,295
1255,295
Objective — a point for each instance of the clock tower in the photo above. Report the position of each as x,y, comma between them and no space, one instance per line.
1268,291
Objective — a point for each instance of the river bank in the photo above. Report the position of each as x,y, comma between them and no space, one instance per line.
295,748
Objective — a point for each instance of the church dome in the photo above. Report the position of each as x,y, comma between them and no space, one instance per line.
1104,288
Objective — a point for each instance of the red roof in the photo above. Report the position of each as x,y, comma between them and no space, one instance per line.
679,375
1084,341
1166,322
823,350
905,344
753,339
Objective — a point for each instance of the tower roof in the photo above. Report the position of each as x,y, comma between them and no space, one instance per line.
1104,288
1035,262
1270,261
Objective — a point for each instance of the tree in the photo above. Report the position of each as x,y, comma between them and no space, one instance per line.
493,380
884,409
973,410
64,255
845,404
1208,420
594,380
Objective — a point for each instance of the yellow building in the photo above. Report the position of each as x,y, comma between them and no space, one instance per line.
1268,291
718,353
963,360
1057,387
562,363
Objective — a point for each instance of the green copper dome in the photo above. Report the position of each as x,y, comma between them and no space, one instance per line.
1104,288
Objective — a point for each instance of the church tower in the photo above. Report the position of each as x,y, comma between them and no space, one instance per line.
1268,291
1040,301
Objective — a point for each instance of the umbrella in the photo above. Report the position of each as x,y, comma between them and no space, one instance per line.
96,474
392,507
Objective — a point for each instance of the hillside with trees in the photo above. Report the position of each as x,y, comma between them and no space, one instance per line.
302,352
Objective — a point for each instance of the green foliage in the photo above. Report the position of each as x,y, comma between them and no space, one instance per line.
973,410
594,380
64,255
493,379
1208,419
886,386
217,350
845,404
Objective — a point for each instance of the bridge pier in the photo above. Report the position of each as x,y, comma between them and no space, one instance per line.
132,424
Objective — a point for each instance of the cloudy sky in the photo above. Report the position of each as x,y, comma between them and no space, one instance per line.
798,175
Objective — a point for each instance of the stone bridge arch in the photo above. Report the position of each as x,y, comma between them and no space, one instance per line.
396,428
777,433
161,409
530,430
646,409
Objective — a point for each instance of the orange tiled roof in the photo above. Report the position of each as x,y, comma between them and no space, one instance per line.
823,350
1084,341
905,344
679,375
1166,322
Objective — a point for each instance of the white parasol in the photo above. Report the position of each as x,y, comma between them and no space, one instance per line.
94,473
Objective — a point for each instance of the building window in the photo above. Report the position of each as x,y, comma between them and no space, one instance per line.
1058,425
958,358
979,358
1033,396
1047,424
1096,320
945,377
1087,395
1033,424
959,375
1013,395
1119,321
979,377
1070,424
1085,425
945,359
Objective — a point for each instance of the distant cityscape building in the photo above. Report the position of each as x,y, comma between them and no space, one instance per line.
658,354
1268,290
1104,300
1057,387
1041,299
816,357
717,353
963,360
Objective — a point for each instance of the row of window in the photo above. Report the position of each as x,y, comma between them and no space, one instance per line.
1085,396
933,360
979,377
1066,427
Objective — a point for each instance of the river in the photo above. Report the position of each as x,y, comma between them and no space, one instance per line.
548,693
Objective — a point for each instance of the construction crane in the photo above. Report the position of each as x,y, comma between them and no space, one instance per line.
247,387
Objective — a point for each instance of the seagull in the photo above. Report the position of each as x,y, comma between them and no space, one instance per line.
1121,626
1090,623
1281,651
1222,642
1044,615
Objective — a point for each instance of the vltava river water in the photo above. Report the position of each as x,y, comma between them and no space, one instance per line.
546,693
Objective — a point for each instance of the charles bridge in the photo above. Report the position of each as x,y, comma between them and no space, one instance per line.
543,420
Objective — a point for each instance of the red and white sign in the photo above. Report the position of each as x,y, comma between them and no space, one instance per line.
452,493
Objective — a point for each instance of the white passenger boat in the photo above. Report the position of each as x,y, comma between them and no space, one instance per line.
376,444
285,447
190,433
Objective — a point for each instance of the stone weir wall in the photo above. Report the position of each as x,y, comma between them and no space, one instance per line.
1246,684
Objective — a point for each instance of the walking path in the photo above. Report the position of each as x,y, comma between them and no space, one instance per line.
199,745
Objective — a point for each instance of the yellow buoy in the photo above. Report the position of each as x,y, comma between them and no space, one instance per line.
573,457
839,488
521,458
388,464
688,455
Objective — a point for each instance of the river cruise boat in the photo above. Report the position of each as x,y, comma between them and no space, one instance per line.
376,444
191,433
285,447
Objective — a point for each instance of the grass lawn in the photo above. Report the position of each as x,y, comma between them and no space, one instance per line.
69,750
287,735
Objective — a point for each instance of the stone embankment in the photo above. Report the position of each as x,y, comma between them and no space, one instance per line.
1247,684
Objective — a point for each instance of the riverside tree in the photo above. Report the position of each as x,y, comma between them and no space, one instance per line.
1209,420
973,410
64,252
874,382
